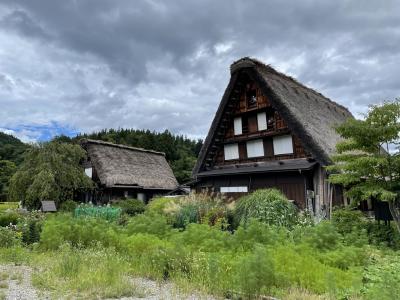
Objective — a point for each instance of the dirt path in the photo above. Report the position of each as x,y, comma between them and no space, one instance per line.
15,284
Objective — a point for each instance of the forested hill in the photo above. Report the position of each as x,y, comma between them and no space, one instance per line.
11,155
11,148
181,152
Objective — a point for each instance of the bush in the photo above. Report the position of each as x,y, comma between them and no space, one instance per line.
79,232
131,207
322,236
68,206
156,225
8,218
163,206
8,237
383,235
269,206
255,273
346,220
31,227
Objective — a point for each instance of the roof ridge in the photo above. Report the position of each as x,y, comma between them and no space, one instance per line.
249,61
104,143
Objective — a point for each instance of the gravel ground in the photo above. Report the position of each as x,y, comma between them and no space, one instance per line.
16,285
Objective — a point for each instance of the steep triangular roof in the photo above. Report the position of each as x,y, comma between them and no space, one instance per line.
120,165
309,115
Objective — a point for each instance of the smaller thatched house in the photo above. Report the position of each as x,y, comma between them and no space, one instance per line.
126,172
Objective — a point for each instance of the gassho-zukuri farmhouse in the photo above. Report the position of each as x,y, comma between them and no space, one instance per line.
271,131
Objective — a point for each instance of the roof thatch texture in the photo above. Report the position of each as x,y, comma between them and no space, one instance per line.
309,115
119,165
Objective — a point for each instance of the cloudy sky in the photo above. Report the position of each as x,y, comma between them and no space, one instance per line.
82,65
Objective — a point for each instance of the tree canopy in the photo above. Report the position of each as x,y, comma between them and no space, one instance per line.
11,155
50,171
368,160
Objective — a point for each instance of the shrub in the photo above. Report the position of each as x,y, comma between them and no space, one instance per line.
269,206
131,207
322,236
346,220
68,206
79,232
255,233
254,273
8,218
8,237
156,225
162,206
383,235
31,227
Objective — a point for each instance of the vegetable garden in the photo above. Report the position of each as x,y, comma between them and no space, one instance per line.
261,247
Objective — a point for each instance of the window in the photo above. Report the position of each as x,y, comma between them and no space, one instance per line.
255,148
251,98
231,151
262,121
89,172
283,144
237,125
233,189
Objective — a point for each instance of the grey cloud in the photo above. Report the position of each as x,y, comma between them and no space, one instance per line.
157,64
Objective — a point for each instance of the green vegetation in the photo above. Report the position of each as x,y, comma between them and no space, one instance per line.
269,206
194,242
8,206
11,155
104,212
50,171
365,165
131,207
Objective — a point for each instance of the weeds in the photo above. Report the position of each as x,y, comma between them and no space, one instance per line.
87,273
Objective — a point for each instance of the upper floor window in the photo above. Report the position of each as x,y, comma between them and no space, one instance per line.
89,172
237,126
283,144
231,151
262,120
255,148
251,97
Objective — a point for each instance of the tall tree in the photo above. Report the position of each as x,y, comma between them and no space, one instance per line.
368,160
7,170
50,171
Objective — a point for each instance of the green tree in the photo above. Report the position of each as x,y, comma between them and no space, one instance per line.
367,162
7,169
50,171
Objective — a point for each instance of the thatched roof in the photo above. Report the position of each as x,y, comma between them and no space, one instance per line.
309,115
124,166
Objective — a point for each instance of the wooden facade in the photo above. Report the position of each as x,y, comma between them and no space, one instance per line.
271,131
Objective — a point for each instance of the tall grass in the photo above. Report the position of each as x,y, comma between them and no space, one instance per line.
84,273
